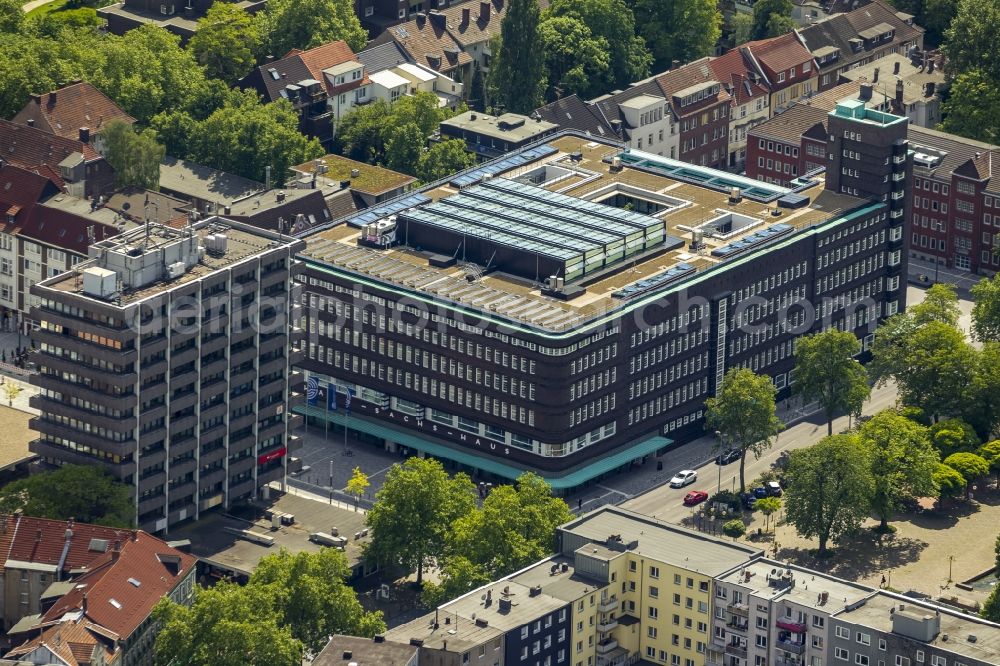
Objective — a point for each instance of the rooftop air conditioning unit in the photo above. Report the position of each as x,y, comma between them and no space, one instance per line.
176,269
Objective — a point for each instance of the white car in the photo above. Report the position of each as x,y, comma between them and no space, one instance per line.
683,478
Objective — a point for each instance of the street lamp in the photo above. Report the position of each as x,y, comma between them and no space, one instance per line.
718,487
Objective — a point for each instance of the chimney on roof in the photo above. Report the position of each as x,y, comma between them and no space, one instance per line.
36,98
866,92
437,18
84,135
899,93
269,58
52,97
875,76
929,88
116,551
485,6
31,122
674,64
895,67
421,19
930,66
84,603
466,12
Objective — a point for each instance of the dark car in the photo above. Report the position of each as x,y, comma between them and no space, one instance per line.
760,492
728,456
749,501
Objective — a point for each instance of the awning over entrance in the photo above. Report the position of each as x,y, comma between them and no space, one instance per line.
441,450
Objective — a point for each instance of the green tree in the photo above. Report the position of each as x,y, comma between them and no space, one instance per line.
226,41
969,465
83,492
948,481
515,527
576,61
764,10
940,304
309,593
414,511
227,625
742,25
830,488
404,147
983,409
134,156
932,364
443,159
11,16
743,412
305,24
902,461
935,19
826,371
990,452
767,506
517,73
969,40
986,306
779,25
681,30
477,89
12,390
734,528
360,135
991,607
614,22
357,485
245,137
458,576
953,436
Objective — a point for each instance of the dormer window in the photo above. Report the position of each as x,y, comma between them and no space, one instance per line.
781,77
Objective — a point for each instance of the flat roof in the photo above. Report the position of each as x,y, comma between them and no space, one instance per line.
16,437
663,541
641,101
243,242
205,183
680,196
956,628
519,128
457,634
388,79
212,542
364,652
806,591
484,604
565,585
416,71
371,179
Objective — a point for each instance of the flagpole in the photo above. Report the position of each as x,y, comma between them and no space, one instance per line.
326,434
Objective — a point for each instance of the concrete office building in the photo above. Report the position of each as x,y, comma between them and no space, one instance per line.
166,357
569,308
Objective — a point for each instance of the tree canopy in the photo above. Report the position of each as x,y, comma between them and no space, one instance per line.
743,412
902,461
614,22
768,15
291,602
969,40
226,41
517,73
681,30
826,371
304,24
414,511
134,156
577,62
953,436
86,493
443,159
970,465
830,488
986,308
948,481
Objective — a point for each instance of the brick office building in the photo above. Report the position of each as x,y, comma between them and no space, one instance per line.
507,326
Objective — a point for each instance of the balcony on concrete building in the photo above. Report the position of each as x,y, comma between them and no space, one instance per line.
606,646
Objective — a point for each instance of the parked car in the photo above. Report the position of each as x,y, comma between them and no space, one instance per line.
683,478
749,501
695,497
760,492
773,488
727,456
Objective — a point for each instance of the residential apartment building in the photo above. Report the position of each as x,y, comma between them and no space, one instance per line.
858,37
910,87
641,117
108,602
184,336
322,85
750,102
78,111
788,68
954,198
179,18
506,321
637,590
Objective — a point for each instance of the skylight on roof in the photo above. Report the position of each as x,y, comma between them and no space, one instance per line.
114,602
134,582
274,73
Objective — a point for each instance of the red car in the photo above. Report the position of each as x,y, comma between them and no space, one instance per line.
695,497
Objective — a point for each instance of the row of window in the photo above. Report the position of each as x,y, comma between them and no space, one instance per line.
677,371
667,350
662,403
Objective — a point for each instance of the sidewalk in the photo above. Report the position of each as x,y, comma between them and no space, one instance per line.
21,401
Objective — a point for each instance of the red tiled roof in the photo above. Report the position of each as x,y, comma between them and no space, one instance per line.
63,229
64,111
428,42
31,147
689,75
327,55
20,187
296,66
781,53
739,75
42,541
75,643
121,589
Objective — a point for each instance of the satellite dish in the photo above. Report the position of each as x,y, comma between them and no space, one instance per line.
126,206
